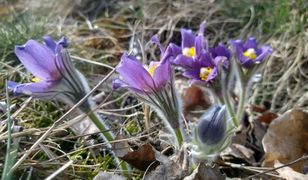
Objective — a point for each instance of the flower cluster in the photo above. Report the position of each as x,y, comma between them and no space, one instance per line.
211,66
203,65
200,62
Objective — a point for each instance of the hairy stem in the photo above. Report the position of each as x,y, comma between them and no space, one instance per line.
108,137
179,136
242,100
230,110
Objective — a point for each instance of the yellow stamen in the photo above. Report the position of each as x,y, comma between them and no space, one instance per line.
151,69
205,72
189,52
250,53
36,79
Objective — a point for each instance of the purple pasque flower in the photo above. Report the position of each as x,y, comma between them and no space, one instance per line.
54,74
221,53
152,84
248,53
191,48
203,70
200,64
141,79
211,134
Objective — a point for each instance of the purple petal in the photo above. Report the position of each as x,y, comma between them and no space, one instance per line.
201,29
119,84
183,61
11,86
155,40
50,43
168,55
192,73
212,75
134,74
162,75
42,90
38,59
221,60
222,50
188,38
175,49
206,60
63,42
251,43
265,51
247,63
199,44
239,49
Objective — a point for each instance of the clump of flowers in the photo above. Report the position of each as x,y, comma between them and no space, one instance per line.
213,67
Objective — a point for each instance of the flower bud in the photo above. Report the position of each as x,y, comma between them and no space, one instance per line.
212,125
210,135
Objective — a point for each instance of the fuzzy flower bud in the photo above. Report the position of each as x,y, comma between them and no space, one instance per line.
210,136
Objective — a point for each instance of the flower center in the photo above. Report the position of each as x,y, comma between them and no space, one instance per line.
35,79
151,69
250,53
205,72
189,52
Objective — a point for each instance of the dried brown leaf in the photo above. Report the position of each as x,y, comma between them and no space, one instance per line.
286,139
141,158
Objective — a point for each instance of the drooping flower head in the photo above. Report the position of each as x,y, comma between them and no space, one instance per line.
210,136
248,53
54,74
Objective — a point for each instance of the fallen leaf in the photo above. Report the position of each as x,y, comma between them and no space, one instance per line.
288,173
205,172
193,98
286,139
267,117
141,158
264,115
